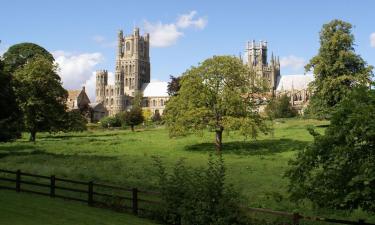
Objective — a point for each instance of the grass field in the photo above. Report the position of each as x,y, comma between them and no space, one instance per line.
122,157
21,209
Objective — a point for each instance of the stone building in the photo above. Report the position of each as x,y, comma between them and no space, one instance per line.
132,75
294,86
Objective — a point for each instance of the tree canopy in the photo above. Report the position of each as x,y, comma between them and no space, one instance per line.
337,68
174,85
40,96
338,169
10,114
221,93
19,54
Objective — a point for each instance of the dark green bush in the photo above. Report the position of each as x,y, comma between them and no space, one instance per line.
194,196
280,108
110,121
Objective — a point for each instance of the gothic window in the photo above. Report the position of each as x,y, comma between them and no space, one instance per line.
127,47
162,102
154,102
111,101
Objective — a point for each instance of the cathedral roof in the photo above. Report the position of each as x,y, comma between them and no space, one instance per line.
296,82
155,89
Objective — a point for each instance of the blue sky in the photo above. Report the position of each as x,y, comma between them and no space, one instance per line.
81,34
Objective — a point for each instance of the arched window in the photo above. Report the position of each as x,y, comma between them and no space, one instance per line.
127,47
161,102
154,102
111,101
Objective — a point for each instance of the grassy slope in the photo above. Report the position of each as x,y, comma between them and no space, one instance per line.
27,209
256,168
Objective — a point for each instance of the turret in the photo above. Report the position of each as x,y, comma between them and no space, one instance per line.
120,44
101,83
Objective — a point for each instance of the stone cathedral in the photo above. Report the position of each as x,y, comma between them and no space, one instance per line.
132,74
133,68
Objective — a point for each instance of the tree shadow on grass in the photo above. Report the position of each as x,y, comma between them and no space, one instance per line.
67,136
256,147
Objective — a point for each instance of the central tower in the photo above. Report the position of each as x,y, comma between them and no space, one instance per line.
132,62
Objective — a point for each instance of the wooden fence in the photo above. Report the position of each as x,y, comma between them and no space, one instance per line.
90,193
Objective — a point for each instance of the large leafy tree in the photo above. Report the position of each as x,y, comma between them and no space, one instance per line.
221,93
40,96
174,85
337,68
338,169
134,116
19,54
10,116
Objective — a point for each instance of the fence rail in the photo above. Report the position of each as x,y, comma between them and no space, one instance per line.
89,190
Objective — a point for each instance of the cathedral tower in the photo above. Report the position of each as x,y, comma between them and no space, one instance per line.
101,83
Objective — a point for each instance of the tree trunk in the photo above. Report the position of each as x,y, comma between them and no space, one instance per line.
132,127
218,140
32,136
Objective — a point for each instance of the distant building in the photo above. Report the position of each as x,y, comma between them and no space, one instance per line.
78,100
294,86
132,75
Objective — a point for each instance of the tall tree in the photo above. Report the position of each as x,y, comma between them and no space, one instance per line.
135,115
40,96
10,115
338,169
337,68
19,54
174,85
221,93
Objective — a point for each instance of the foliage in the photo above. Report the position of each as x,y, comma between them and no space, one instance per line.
75,121
40,96
110,121
174,85
133,117
218,94
280,108
156,118
198,196
338,169
147,114
337,68
18,55
10,114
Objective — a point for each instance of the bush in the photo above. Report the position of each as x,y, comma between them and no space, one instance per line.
156,118
280,108
338,169
75,121
110,121
198,196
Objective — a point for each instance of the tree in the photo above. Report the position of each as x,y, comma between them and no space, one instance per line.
135,115
221,93
280,108
40,96
10,114
338,169
337,68
156,117
174,85
75,121
19,54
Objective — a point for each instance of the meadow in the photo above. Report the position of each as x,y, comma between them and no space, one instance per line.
256,168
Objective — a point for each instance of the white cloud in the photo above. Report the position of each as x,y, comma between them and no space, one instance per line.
293,62
164,35
372,40
77,69
187,20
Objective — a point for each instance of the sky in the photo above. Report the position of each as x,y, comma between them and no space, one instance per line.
82,34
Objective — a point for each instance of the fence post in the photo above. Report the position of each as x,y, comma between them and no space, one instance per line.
53,181
135,200
361,221
91,193
18,180
296,218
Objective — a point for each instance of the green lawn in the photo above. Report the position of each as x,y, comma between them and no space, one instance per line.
122,157
27,209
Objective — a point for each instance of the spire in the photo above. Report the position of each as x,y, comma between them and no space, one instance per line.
272,59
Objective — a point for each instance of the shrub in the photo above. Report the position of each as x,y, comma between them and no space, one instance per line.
198,196
110,121
280,108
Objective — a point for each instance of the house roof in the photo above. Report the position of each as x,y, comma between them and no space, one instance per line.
296,82
155,89
73,94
